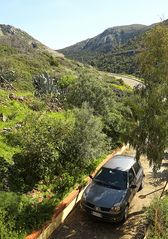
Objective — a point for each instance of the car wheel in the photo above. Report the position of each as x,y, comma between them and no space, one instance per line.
125,215
141,186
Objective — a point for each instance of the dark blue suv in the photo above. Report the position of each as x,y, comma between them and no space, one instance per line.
112,189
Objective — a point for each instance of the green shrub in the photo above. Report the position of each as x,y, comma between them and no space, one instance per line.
96,93
85,143
7,228
58,144
66,80
53,61
4,166
100,97
20,214
32,215
8,216
56,186
41,144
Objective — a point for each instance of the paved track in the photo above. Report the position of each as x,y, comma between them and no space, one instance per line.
132,82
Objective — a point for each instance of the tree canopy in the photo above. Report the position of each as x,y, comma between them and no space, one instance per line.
148,131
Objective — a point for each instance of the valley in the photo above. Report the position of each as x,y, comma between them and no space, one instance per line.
62,112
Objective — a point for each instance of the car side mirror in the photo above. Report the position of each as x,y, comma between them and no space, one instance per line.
90,176
133,186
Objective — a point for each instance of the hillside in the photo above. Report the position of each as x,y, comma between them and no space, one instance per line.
58,118
113,50
21,40
109,40
22,57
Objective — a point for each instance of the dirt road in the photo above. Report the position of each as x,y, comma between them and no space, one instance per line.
131,81
79,225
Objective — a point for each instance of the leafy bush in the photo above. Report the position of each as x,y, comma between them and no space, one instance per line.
66,80
57,151
113,127
7,228
4,166
53,61
99,96
55,146
33,214
41,145
6,78
96,93
8,208
56,186
86,142
20,214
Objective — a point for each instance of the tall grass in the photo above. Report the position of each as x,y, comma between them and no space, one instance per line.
158,218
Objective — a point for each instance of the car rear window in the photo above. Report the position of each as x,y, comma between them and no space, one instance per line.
112,178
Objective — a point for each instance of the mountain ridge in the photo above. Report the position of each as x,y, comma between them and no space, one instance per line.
105,35
112,50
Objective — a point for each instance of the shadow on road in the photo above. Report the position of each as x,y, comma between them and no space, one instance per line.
80,225
156,178
159,177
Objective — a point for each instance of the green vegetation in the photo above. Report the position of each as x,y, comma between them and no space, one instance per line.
57,120
59,117
54,154
158,218
44,153
19,214
124,62
148,131
146,122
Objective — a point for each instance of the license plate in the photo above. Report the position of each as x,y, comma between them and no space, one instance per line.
96,214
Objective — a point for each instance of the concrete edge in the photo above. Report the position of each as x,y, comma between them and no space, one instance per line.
67,205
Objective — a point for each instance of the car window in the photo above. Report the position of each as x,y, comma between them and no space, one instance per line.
136,167
131,176
112,177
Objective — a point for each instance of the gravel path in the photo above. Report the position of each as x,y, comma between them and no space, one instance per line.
79,225
132,82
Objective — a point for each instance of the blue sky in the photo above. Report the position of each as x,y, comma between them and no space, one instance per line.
60,23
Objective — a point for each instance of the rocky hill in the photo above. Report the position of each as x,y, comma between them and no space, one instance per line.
108,41
21,40
113,50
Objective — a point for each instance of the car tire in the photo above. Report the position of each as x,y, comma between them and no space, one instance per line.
125,215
